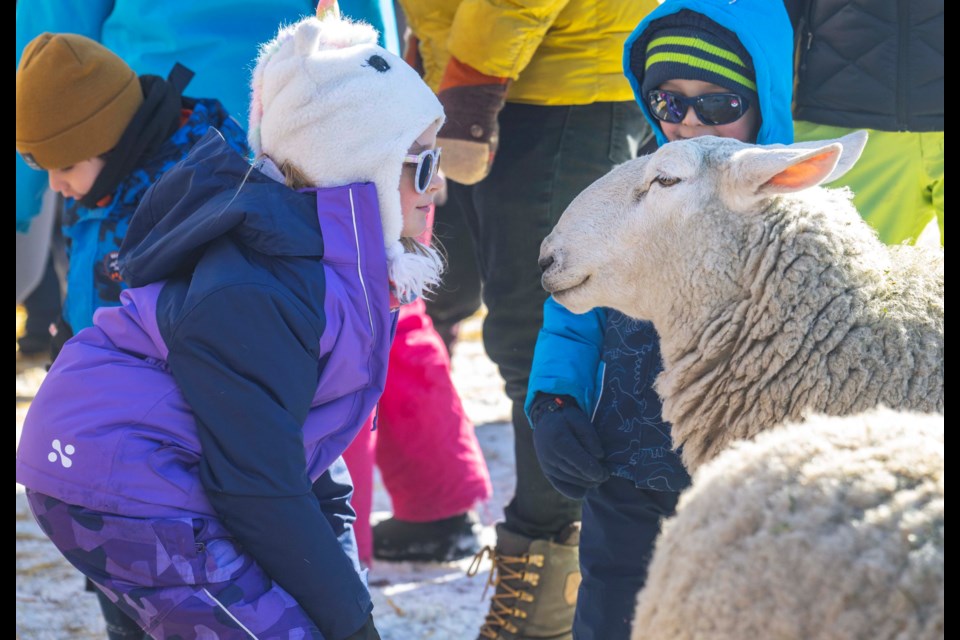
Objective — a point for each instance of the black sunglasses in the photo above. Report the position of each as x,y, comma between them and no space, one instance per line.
427,164
711,108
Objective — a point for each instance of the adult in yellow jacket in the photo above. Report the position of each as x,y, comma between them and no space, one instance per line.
537,109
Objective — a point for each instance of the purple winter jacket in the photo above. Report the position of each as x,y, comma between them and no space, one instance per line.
251,346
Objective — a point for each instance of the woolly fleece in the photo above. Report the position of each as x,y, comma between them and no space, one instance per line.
832,529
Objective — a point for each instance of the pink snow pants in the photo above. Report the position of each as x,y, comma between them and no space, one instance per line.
424,445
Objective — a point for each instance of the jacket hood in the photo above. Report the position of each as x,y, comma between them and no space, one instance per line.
764,30
211,193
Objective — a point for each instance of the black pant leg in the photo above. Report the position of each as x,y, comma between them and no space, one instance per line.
547,156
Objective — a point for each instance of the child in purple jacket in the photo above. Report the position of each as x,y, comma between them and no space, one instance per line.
183,452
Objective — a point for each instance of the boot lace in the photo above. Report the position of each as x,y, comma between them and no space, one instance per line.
504,568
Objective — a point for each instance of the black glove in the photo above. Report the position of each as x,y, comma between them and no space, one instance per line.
63,333
366,632
567,445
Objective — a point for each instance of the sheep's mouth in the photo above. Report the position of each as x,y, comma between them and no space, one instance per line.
565,291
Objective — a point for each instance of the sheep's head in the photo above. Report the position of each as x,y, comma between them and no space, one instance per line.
662,221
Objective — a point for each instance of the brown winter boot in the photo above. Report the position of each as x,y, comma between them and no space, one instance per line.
535,582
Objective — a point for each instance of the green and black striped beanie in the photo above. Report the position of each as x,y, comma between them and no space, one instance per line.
690,46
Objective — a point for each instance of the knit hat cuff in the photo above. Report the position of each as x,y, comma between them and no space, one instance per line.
89,138
689,46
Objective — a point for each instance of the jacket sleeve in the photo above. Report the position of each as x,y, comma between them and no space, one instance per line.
245,358
499,37
567,356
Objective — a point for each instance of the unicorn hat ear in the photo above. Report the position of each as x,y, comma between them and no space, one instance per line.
280,63
305,38
327,8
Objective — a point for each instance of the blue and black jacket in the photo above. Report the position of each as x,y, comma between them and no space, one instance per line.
93,236
609,362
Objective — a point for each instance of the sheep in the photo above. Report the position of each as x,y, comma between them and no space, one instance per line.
829,529
771,296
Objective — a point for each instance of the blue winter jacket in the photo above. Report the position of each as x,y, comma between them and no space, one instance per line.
217,39
608,362
93,236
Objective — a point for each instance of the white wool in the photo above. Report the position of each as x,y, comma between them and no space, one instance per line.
343,110
771,296
832,529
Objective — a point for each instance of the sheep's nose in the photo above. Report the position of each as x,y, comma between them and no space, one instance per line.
545,263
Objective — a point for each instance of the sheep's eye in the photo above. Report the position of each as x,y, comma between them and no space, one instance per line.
666,181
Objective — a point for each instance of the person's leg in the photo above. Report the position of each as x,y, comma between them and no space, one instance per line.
427,451
359,458
235,609
547,156
931,146
620,526
458,296
889,182
43,309
33,247
120,626
173,576
334,491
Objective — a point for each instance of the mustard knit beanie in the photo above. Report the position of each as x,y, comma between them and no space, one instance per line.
75,98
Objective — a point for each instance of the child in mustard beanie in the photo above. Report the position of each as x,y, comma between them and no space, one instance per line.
102,92
103,135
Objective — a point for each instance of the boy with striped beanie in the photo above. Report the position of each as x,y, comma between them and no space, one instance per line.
697,67
686,60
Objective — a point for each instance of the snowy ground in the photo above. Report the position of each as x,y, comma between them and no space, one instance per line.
411,600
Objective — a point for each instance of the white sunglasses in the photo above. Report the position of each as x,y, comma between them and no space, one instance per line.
427,162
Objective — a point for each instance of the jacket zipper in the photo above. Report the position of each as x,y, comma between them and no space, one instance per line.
805,36
603,379
363,285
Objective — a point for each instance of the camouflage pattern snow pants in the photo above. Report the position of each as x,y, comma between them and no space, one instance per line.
180,578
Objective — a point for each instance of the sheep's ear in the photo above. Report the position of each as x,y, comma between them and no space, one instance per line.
853,144
766,172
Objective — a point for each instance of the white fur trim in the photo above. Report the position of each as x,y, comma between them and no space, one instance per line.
412,274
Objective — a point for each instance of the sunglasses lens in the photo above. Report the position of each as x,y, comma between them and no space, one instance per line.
719,108
425,173
666,106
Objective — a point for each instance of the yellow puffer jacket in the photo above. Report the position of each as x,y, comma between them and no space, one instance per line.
558,52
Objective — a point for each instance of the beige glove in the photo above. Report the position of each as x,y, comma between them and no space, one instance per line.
472,101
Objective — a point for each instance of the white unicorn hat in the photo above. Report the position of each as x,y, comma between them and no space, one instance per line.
341,109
